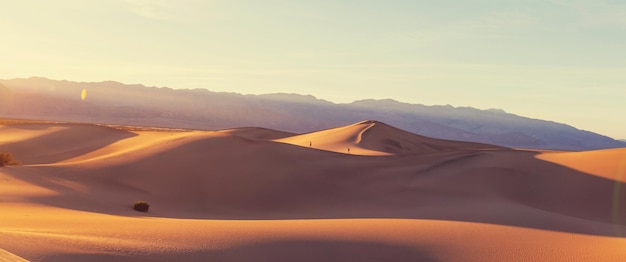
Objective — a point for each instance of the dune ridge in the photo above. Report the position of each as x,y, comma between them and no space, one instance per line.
254,193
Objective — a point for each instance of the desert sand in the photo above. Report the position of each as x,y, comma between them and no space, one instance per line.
254,194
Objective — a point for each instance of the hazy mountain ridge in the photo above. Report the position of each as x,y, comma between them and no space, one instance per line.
117,103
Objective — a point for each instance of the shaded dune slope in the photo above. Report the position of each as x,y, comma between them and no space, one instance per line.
6,256
223,175
257,133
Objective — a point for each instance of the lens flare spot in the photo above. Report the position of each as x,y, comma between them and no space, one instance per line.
83,95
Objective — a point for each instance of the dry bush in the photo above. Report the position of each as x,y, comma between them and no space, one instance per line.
6,159
141,206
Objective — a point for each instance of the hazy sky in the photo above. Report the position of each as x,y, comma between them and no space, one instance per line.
550,59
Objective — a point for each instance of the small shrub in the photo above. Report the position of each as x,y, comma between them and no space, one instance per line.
6,159
141,206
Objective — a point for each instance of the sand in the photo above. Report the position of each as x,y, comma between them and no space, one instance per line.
254,194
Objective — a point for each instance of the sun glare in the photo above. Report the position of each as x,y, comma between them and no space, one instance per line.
83,95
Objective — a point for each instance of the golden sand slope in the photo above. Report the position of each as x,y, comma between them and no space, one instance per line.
238,195
68,235
610,164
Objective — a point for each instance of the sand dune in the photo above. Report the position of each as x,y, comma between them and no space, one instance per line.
254,194
376,138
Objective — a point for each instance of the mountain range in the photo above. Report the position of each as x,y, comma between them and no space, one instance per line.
116,103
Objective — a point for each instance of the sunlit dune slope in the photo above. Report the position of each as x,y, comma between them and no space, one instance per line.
250,194
376,138
97,237
610,163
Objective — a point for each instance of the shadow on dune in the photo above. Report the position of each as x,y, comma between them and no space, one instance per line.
297,250
73,141
235,178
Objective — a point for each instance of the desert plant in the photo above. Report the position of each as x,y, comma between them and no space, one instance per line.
6,159
141,206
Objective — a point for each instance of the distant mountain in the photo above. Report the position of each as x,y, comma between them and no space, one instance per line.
117,103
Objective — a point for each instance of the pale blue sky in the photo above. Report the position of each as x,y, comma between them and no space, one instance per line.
551,59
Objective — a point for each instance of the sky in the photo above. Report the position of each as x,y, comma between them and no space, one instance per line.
557,60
